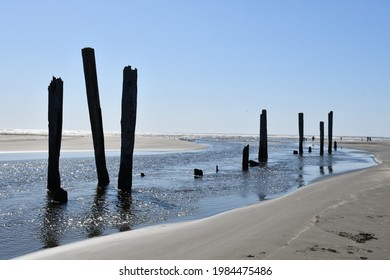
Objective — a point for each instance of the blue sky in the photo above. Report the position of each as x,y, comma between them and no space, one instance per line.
203,66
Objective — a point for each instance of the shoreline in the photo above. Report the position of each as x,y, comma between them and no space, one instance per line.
21,143
341,217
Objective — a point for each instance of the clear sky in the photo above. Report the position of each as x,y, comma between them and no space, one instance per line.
204,66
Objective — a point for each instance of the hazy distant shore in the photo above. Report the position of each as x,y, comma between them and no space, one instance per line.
343,217
11,142
14,140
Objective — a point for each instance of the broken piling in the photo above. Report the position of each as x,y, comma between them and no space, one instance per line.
128,123
301,135
263,145
95,114
245,158
330,131
55,134
321,138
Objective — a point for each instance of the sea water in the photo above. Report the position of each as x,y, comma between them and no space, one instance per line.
30,221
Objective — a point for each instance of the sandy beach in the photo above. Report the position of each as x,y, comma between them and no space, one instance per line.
341,217
36,142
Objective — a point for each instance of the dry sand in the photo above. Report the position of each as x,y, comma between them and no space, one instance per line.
32,142
343,217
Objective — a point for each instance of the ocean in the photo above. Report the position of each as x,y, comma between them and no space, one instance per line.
167,193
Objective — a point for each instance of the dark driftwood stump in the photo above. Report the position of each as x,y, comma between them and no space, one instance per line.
198,173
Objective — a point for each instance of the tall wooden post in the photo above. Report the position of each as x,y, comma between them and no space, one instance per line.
321,138
55,134
95,114
128,122
245,158
330,131
263,147
301,138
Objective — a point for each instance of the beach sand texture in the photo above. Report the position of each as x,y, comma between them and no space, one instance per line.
342,217
31,142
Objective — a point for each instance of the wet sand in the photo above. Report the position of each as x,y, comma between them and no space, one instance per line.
342,217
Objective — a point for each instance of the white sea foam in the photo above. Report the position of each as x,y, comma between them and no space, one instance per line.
18,131
24,131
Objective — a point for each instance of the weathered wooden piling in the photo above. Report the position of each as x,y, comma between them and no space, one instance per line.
263,147
245,158
301,138
128,123
330,131
321,138
55,134
95,114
